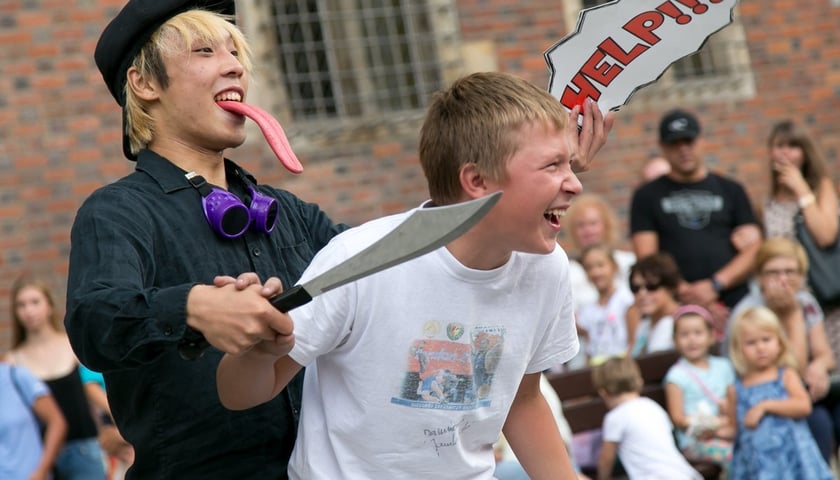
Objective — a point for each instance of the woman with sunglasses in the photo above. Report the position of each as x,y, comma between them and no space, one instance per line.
654,281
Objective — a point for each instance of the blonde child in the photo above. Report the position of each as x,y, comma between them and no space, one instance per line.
695,389
601,321
636,427
768,404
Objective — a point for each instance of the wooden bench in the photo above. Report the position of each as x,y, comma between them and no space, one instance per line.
584,409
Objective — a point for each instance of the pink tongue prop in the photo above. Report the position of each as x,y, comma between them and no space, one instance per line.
271,130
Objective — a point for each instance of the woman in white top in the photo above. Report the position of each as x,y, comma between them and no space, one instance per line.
590,220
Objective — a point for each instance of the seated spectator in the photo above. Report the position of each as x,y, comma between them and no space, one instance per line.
695,390
636,427
801,184
654,281
591,220
602,322
767,404
781,266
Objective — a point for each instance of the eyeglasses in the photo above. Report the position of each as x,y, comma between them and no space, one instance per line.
635,287
788,272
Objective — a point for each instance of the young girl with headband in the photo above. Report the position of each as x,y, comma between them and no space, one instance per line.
695,390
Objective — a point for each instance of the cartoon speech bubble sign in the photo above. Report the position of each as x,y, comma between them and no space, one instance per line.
622,46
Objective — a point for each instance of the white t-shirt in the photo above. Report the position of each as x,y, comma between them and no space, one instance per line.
656,339
646,446
411,372
584,292
606,325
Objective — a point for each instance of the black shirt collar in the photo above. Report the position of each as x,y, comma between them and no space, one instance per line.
170,177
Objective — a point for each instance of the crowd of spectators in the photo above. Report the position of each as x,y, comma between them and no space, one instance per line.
701,243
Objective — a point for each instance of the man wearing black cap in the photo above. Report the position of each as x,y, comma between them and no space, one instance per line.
147,249
695,215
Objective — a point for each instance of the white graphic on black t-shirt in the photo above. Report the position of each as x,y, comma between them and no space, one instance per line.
693,208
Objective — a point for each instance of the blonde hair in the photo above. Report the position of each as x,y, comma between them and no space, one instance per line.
26,281
179,32
766,320
583,202
775,247
478,120
618,375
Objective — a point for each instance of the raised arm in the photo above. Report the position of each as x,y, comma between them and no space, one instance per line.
592,135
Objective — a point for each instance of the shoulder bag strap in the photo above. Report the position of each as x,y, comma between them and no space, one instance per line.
708,391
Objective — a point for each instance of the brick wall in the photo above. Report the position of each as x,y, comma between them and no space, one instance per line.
60,139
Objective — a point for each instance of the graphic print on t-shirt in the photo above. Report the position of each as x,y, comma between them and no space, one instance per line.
449,370
693,208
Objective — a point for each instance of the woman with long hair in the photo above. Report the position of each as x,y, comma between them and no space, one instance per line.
40,345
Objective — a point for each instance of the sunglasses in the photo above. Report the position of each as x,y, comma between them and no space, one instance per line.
635,287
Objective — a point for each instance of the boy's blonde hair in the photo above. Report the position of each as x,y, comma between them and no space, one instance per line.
618,375
179,32
766,320
478,120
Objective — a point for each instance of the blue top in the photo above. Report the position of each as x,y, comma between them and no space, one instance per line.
700,386
89,376
137,247
20,436
780,448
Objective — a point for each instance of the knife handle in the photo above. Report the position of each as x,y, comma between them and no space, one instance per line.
292,298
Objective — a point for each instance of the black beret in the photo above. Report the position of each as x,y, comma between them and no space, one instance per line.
129,31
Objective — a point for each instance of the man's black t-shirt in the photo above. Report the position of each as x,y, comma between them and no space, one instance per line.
694,222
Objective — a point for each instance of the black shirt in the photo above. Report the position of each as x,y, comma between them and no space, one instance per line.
137,247
694,223
70,396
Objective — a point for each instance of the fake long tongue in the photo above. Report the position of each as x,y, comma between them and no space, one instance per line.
271,130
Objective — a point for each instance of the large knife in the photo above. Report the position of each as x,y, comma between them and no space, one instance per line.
424,230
